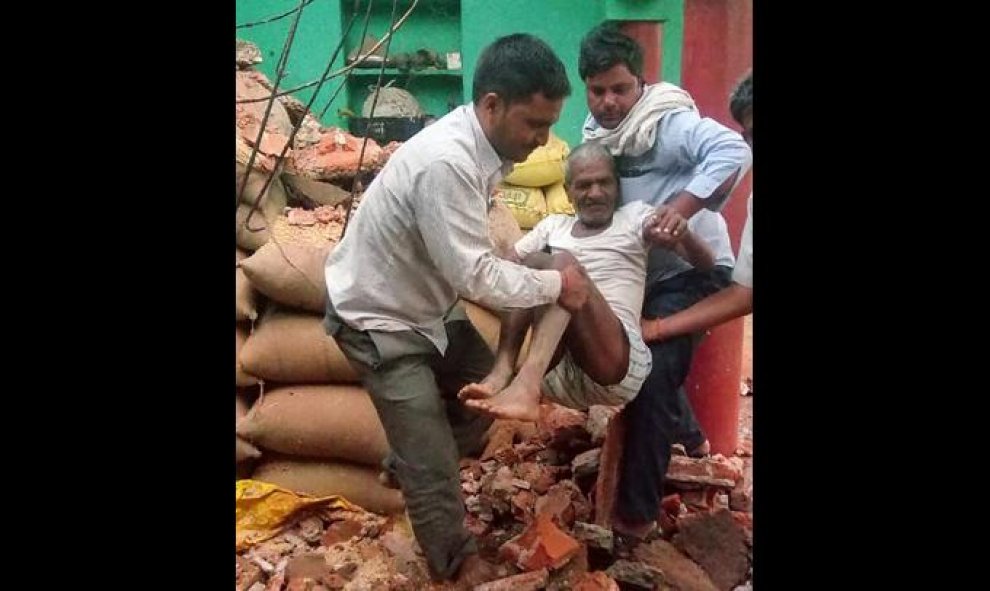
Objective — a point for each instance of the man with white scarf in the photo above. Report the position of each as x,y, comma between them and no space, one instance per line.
666,153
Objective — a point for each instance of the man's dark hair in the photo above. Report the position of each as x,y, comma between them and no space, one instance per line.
742,98
604,47
517,66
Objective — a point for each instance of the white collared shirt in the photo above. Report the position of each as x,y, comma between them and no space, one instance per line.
419,240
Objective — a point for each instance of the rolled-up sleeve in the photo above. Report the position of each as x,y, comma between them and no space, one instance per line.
715,150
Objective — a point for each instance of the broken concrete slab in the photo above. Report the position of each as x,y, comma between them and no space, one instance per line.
594,536
635,574
711,471
679,572
717,542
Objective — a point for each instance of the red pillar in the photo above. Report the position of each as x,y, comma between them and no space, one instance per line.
718,49
647,34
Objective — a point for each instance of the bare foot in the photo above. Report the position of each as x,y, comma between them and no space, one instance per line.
520,401
474,571
493,382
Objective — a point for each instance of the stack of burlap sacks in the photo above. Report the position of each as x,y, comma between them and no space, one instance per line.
314,429
535,188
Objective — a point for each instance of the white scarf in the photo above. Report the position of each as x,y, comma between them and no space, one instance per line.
637,132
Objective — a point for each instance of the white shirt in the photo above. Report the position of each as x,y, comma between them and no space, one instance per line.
615,259
691,153
743,271
420,238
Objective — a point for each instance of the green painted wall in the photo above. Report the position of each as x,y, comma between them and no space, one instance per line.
316,36
435,25
561,23
446,25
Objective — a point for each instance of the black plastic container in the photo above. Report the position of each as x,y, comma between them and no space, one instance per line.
386,129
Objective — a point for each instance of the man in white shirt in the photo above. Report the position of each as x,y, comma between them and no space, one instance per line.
419,242
596,351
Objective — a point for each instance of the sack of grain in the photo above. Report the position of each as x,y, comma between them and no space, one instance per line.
544,166
320,478
244,451
293,348
245,302
557,200
242,378
333,422
290,274
527,204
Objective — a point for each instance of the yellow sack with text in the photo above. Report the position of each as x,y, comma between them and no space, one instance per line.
557,201
527,204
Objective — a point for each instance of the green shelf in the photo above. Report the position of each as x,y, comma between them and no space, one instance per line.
369,73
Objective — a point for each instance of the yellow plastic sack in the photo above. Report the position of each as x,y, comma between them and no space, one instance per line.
527,204
545,165
263,510
557,201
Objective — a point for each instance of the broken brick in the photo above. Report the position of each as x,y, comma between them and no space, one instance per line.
561,427
470,485
556,504
717,542
341,531
303,584
541,545
702,499
307,566
499,485
311,529
551,457
597,423
596,581
276,582
539,477
636,574
586,463
677,570
503,433
565,578
607,485
594,535
713,471
741,497
746,521
475,525
531,581
565,503
523,506
248,573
